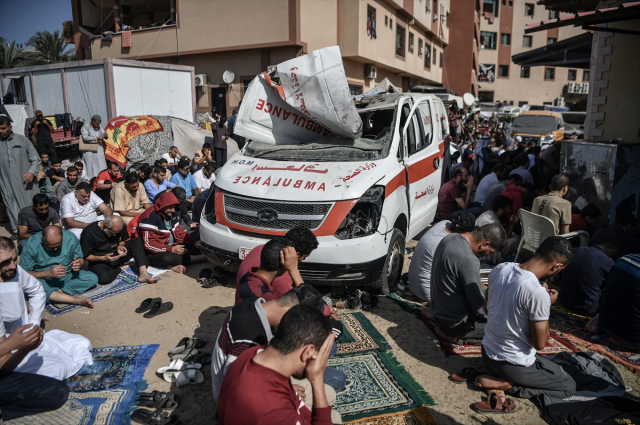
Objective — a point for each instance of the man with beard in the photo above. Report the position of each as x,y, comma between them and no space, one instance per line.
128,200
498,214
157,183
106,179
54,257
106,248
93,133
450,199
78,209
518,308
257,388
35,218
61,354
185,180
68,185
166,242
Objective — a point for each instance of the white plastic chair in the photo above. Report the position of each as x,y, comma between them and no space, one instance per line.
536,228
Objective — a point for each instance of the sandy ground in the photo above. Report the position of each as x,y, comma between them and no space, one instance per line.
200,312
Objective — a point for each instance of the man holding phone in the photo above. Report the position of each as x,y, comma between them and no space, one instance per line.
41,128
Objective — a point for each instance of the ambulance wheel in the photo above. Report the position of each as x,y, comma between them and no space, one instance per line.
392,269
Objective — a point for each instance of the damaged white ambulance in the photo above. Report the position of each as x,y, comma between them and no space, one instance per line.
362,174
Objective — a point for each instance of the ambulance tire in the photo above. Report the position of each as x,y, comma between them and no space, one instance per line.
392,270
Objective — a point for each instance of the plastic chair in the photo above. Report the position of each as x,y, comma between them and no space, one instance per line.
536,228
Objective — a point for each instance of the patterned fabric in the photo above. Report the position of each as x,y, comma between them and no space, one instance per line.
141,138
565,313
359,335
600,344
419,416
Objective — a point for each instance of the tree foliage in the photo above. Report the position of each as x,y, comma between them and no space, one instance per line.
51,47
14,57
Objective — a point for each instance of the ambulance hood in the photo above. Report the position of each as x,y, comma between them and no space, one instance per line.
298,181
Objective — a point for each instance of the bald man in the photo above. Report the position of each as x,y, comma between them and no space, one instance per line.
105,246
54,257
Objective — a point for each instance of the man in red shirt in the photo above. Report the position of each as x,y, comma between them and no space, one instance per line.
257,388
105,180
450,197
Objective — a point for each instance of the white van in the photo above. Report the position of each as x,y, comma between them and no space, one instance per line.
362,198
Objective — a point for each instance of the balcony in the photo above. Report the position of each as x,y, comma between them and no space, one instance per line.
152,42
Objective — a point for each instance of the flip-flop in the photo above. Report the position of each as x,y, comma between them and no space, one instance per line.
494,405
187,344
177,365
158,417
158,308
146,304
159,400
195,357
204,275
184,377
467,374
210,283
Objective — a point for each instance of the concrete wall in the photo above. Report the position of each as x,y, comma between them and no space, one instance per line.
319,23
459,52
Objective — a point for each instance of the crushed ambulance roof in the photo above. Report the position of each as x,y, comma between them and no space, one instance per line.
384,100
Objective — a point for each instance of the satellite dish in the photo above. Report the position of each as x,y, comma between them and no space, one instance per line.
468,99
228,77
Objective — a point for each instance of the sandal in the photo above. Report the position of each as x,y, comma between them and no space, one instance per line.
210,283
159,400
184,377
467,374
196,357
204,275
187,344
158,308
158,417
176,365
494,405
146,304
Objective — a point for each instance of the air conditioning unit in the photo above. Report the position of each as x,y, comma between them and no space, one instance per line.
585,88
370,72
560,102
571,87
201,80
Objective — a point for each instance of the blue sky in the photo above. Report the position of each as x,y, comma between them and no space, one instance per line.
20,19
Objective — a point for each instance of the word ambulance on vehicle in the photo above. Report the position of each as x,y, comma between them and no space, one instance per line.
362,175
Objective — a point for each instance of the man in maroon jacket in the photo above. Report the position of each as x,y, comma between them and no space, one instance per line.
257,389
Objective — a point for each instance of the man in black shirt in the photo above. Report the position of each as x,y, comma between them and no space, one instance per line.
106,249
55,173
42,128
45,164
35,218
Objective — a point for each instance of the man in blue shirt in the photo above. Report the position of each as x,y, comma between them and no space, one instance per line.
185,180
156,183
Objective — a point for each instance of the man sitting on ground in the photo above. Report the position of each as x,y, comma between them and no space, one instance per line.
497,188
622,232
498,173
157,183
204,177
518,310
55,173
164,164
516,193
35,218
81,171
184,179
257,388
201,158
422,261
69,184
128,200
456,289
172,158
499,214
553,206
583,280
166,242
78,209
587,220
45,164
104,182
54,257
107,250
450,198
522,162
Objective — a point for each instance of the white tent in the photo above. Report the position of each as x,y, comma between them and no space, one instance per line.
189,138
18,114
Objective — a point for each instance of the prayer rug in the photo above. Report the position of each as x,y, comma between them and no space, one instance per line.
104,407
126,281
405,304
359,335
567,314
420,416
600,344
555,345
113,366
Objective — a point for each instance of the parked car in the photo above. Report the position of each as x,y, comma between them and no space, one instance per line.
541,127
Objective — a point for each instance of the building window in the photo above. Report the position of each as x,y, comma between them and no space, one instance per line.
524,72
573,74
490,6
553,14
527,41
505,39
551,40
549,73
420,51
488,40
510,3
441,59
400,36
522,103
410,42
487,73
485,96
245,84
435,56
547,103
529,9
504,3
585,75
355,89
503,71
371,21
386,21
427,55
390,23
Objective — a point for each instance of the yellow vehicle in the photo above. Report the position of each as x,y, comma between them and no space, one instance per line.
541,127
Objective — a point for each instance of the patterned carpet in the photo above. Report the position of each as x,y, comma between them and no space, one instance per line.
379,390
600,344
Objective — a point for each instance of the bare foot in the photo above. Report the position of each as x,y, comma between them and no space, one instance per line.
84,301
146,277
179,269
593,327
492,383
124,267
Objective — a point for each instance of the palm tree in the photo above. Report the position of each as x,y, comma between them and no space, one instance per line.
51,48
13,57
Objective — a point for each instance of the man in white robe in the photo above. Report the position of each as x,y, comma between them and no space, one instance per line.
94,161
61,354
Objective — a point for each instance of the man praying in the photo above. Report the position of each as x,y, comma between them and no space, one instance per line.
128,200
78,209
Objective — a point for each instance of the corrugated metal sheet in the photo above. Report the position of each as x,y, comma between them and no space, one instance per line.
49,97
145,91
86,92
27,90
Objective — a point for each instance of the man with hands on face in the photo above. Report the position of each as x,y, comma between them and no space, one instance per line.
41,128
54,257
450,199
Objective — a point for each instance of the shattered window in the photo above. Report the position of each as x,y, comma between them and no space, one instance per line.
427,55
410,42
355,89
400,40
420,48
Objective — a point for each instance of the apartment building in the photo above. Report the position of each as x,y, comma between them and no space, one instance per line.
502,25
402,40
461,58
